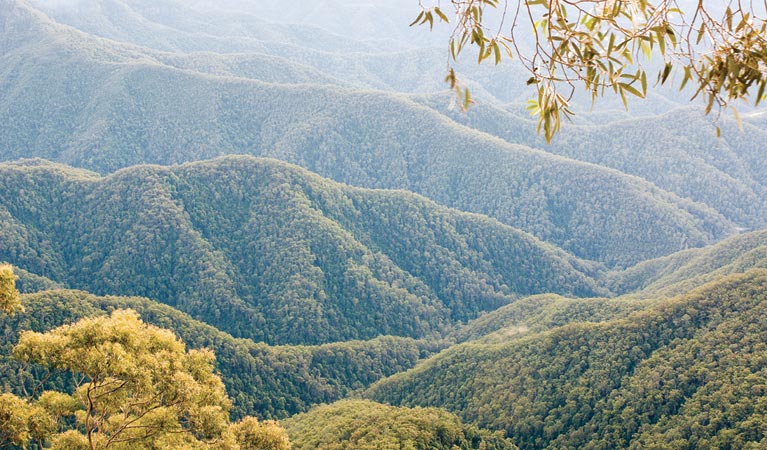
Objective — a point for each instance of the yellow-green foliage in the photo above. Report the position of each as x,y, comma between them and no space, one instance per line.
21,422
254,435
136,387
10,301
687,370
366,425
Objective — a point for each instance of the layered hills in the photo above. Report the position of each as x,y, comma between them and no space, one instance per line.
391,60
180,26
92,103
689,370
268,251
680,272
289,185
677,151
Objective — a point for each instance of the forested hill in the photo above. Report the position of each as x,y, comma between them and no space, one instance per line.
689,371
266,250
680,272
677,151
89,102
262,380
538,313
366,425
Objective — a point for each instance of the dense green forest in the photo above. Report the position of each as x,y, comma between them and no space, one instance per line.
268,251
366,425
290,208
96,104
672,376
548,371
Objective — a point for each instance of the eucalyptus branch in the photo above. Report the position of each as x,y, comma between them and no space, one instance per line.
604,44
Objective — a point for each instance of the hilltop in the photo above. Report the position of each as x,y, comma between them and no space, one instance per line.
269,251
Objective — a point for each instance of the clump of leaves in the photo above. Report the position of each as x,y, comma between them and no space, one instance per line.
10,301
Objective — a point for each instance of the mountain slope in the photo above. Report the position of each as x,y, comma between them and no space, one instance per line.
540,313
679,370
269,251
677,151
680,272
112,106
270,382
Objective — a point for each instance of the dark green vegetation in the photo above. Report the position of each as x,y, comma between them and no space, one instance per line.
366,425
271,382
265,250
103,105
686,373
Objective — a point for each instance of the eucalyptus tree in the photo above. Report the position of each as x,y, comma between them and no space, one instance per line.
135,386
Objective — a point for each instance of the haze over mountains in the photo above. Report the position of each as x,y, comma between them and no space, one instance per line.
292,186
131,108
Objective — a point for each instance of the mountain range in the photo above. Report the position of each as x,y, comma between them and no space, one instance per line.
101,105
292,186
268,251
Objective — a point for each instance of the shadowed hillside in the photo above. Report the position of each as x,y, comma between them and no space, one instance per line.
270,382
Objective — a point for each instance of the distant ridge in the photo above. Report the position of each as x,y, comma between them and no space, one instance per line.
680,272
677,151
112,106
268,251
